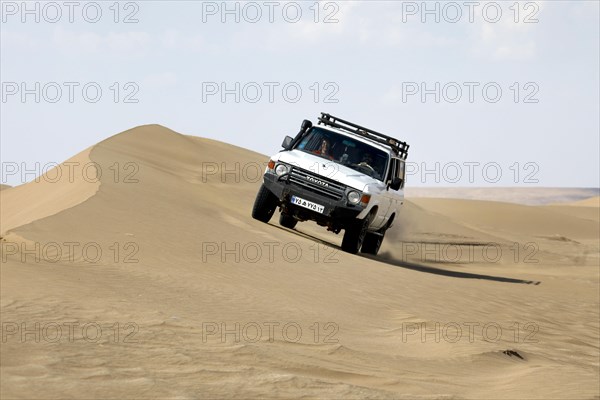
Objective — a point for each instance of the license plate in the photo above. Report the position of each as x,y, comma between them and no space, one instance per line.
308,204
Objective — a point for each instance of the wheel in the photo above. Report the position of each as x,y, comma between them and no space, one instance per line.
287,221
264,205
355,235
372,242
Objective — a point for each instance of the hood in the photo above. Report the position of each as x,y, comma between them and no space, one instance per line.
327,169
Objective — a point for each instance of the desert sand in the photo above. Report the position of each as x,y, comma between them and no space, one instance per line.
149,278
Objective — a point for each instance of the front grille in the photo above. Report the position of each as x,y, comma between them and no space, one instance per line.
317,184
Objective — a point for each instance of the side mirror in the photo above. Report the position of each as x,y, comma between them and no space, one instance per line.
287,142
396,183
306,124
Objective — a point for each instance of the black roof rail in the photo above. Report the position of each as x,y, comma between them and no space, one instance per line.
401,148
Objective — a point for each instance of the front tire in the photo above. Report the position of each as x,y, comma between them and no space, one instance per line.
264,205
372,242
287,221
355,236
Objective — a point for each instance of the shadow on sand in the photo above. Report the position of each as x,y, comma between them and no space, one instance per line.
414,266
444,272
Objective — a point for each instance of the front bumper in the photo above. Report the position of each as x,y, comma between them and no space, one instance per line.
338,212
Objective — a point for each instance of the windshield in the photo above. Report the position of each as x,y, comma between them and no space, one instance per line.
346,151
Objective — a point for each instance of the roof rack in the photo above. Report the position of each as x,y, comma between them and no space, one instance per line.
401,148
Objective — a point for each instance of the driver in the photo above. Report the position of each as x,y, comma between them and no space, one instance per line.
323,150
367,160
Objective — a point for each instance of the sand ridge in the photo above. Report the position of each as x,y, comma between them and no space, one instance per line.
61,187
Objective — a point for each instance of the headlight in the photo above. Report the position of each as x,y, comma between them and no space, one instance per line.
281,169
353,197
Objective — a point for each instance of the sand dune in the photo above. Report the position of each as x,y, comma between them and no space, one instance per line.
164,287
62,187
529,194
591,202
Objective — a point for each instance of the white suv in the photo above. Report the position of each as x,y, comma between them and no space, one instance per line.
340,175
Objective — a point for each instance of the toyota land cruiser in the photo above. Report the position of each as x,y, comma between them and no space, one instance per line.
340,175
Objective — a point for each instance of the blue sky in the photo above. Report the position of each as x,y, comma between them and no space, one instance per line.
369,62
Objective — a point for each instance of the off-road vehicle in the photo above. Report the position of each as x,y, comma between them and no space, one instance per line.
340,175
